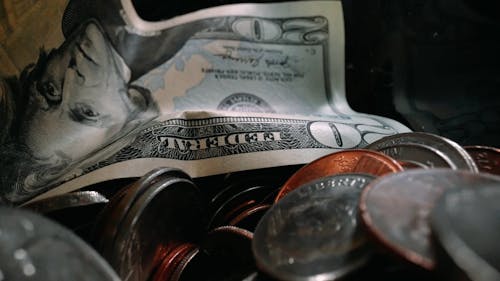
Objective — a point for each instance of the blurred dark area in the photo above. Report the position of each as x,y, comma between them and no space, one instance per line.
433,65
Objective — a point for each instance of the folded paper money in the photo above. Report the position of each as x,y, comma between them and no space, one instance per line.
224,89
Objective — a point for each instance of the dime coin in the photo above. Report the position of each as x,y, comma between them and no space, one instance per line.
466,223
313,233
486,158
33,247
453,151
170,210
395,208
76,211
346,161
67,200
424,155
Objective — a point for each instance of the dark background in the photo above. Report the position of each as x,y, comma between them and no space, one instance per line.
433,65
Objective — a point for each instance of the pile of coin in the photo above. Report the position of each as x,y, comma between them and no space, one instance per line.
412,206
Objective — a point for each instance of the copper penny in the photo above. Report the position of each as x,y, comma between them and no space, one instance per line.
173,259
395,208
249,218
487,158
237,203
229,250
347,161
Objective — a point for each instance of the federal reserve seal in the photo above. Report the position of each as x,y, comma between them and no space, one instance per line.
245,102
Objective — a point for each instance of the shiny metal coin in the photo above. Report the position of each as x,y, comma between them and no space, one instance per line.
453,151
109,222
35,248
423,155
168,211
313,232
76,211
67,200
466,223
395,208
487,158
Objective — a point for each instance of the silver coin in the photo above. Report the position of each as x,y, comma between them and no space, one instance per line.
466,223
170,210
110,221
452,150
419,154
33,247
313,233
395,208
67,200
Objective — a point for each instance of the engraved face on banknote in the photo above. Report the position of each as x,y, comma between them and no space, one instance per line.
71,105
79,97
120,90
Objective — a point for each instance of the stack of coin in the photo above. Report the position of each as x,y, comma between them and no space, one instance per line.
394,212
146,220
391,210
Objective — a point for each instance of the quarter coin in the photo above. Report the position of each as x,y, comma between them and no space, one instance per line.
395,208
313,233
466,223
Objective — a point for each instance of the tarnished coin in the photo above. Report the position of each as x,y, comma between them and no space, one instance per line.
169,210
419,154
172,262
229,250
466,223
395,208
35,248
237,182
109,223
239,203
487,158
346,161
249,218
313,233
452,150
